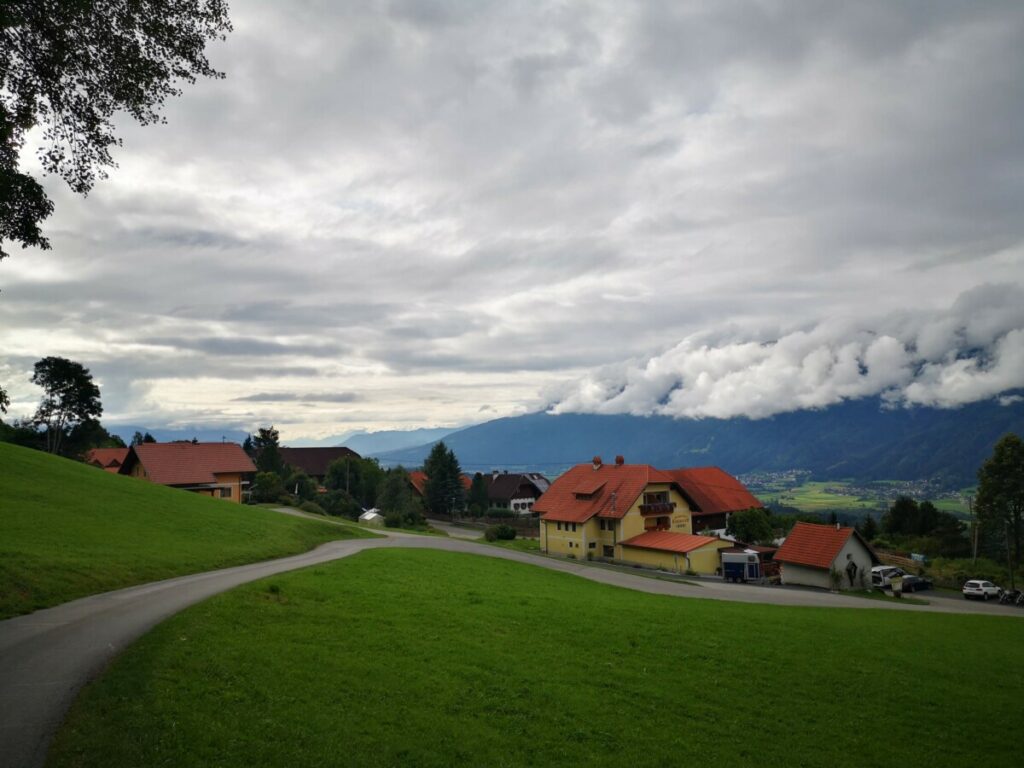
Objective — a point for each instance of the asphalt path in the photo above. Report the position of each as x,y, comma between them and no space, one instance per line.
47,656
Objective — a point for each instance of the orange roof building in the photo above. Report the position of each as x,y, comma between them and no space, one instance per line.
107,459
418,481
221,470
635,513
826,556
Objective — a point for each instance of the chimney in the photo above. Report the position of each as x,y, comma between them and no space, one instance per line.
620,460
837,525
597,462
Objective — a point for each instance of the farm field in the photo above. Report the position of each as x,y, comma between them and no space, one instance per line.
842,496
433,659
68,530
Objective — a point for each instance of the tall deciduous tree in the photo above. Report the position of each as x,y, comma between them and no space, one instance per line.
69,67
1000,501
69,396
444,493
751,526
4,400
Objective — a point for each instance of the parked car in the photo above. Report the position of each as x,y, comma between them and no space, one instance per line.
983,590
883,575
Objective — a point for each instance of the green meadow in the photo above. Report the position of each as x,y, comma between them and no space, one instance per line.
421,658
68,530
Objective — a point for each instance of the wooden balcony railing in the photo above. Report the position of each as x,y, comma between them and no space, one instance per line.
659,508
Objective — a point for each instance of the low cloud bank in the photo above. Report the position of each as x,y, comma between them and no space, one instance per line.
974,350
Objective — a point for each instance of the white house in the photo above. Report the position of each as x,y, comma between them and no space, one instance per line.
812,553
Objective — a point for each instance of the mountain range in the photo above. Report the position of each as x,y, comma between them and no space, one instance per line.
859,439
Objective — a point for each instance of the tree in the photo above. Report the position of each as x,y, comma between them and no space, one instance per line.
248,447
69,67
267,486
397,501
902,517
5,401
86,435
444,493
479,501
1000,500
751,526
138,438
869,528
301,484
268,453
69,397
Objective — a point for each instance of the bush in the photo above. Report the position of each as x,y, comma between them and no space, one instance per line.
496,532
498,513
286,500
313,507
267,487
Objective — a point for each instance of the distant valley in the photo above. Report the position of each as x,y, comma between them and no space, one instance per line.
856,440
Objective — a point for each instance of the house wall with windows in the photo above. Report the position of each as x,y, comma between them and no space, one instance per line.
645,515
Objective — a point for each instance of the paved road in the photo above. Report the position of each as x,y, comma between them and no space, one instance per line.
47,656
458,531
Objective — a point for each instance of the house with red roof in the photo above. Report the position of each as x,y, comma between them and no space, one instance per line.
826,556
220,470
107,459
418,481
637,514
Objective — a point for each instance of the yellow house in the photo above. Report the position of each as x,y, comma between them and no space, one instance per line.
220,470
634,513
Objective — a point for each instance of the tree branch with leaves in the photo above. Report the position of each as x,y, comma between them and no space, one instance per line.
69,66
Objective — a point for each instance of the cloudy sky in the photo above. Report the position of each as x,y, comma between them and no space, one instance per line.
401,214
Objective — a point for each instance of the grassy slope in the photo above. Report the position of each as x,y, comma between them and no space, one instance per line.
435,659
69,530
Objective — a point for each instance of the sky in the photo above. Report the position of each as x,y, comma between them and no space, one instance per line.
404,214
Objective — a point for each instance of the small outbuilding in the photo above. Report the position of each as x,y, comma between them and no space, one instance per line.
826,556
372,517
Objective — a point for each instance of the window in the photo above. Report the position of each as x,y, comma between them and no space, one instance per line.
559,526
225,493
573,527
609,551
592,545
656,497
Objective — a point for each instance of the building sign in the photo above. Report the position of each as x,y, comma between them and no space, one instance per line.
680,521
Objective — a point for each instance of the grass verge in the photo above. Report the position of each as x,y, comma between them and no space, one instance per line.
441,659
68,530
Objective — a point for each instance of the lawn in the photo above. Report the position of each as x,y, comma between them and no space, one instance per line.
68,530
425,658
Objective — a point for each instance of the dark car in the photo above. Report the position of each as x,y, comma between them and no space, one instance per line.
916,583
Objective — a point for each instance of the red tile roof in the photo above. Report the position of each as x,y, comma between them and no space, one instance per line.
817,546
667,541
418,478
609,491
187,463
713,490
314,461
110,459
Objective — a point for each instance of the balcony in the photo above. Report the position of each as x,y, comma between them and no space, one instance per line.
658,508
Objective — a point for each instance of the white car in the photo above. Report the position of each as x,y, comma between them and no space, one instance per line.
982,589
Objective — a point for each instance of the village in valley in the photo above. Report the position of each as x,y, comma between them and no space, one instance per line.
691,521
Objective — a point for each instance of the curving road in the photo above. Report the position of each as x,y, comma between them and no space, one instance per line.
47,656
